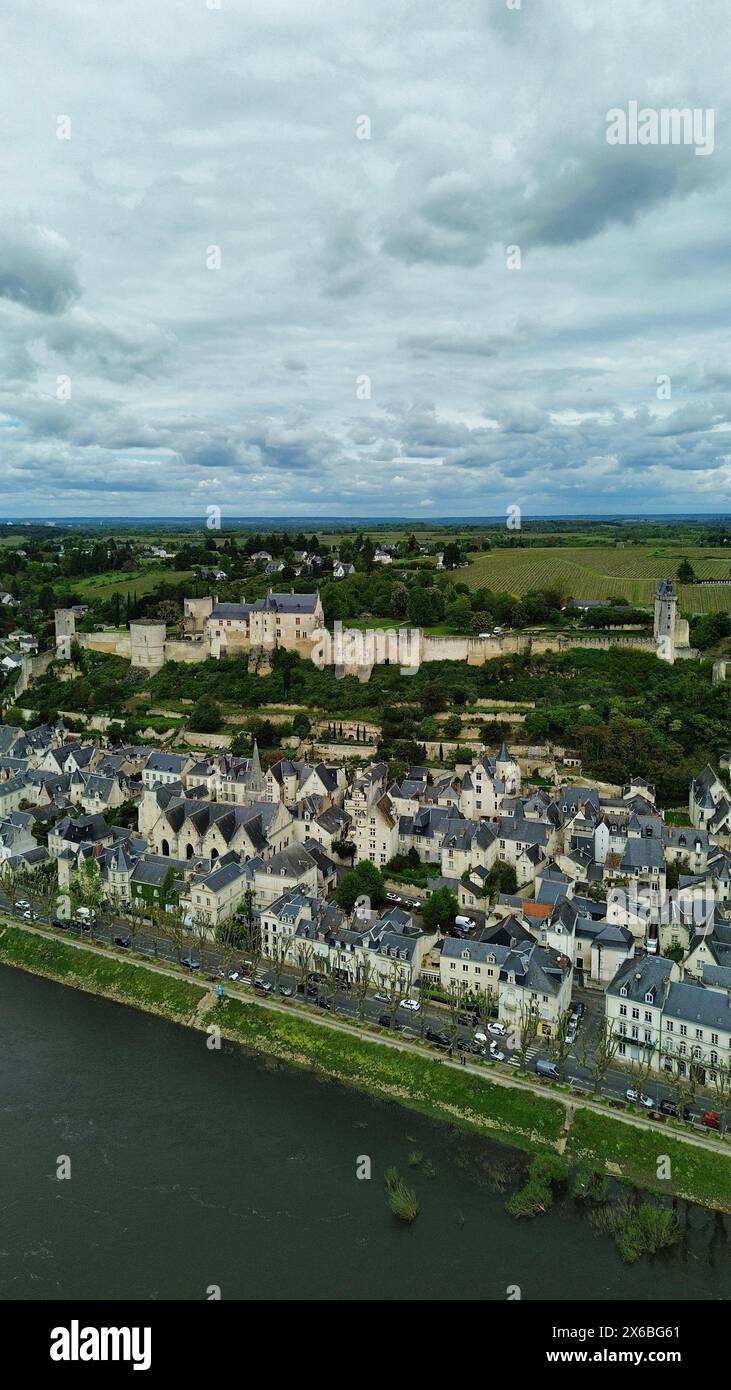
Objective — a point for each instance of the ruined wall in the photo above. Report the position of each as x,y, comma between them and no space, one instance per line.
196,650
112,643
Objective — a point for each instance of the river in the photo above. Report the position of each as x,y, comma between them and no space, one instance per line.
193,1170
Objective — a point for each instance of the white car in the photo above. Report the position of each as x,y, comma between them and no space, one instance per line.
381,997
495,1053
638,1098
22,902
481,1037
233,975
497,1030
412,1005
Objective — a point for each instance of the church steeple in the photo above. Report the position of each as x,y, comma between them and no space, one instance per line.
256,782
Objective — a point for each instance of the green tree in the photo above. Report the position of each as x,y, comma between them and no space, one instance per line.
440,909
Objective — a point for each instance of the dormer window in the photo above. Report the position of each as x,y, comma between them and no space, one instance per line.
649,997
623,991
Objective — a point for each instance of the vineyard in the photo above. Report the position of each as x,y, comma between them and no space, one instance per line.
607,572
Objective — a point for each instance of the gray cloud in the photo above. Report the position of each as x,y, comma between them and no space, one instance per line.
344,260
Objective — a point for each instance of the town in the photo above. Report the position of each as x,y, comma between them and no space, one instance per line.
565,929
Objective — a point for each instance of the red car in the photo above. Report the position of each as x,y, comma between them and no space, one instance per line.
710,1119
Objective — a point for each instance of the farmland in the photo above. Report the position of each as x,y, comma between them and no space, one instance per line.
139,581
629,572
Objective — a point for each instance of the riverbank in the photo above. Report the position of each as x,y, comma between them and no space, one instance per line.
511,1110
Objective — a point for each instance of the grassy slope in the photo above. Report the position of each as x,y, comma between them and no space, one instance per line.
100,974
633,1155
417,1081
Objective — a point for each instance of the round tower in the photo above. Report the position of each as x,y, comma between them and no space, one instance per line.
147,645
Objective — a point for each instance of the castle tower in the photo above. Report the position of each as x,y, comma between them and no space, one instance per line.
65,625
147,645
666,615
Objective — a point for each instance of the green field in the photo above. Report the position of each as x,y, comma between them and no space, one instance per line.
629,572
139,581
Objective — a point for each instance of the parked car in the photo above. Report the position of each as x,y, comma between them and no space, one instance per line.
412,1005
323,1002
124,941
465,923
287,991
436,1036
263,985
384,1020
639,1098
464,1045
710,1119
544,1067
60,923
393,897
496,1054
668,1107
497,1030
21,903
234,975
381,997
190,963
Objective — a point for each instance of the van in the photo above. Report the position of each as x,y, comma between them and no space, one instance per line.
465,922
546,1068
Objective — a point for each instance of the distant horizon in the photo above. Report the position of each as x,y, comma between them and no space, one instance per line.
323,518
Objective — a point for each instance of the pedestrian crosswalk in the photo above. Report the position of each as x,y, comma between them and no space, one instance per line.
531,1052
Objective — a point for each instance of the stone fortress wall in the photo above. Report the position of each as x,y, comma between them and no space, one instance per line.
147,647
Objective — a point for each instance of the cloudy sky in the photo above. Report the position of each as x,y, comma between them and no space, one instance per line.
367,344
